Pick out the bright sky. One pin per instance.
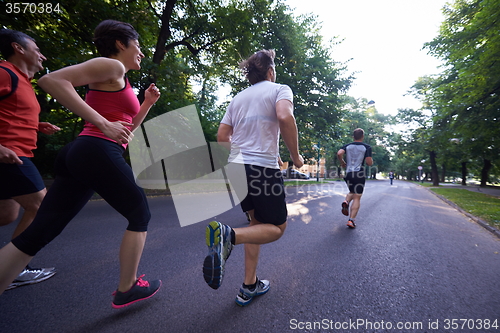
(384, 38)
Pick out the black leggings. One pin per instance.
(86, 165)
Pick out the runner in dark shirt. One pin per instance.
(357, 153)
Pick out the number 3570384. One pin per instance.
(32, 8)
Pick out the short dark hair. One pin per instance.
(358, 134)
(256, 66)
(7, 37)
(108, 32)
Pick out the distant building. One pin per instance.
(310, 169)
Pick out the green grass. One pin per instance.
(478, 204)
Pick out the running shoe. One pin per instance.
(140, 290)
(31, 276)
(345, 208)
(351, 224)
(246, 295)
(218, 238)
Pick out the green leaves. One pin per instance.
(193, 47)
(462, 102)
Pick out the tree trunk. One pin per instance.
(165, 32)
(464, 173)
(485, 172)
(443, 173)
(160, 48)
(434, 172)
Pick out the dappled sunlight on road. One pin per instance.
(312, 197)
(424, 203)
(429, 207)
(299, 209)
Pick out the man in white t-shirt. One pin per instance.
(252, 124)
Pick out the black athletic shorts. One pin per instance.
(266, 195)
(19, 179)
(355, 181)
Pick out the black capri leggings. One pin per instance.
(86, 165)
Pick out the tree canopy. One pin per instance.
(458, 125)
(193, 48)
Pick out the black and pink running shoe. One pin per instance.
(141, 290)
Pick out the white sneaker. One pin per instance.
(218, 238)
(246, 295)
(31, 276)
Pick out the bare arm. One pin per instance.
(340, 156)
(60, 85)
(288, 129)
(224, 135)
(8, 156)
(47, 128)
(151, 95)
(369, 161)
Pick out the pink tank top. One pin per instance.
(121, 105)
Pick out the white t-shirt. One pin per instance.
(252, 115)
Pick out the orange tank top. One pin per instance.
(19, 113)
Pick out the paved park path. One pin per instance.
(413, 264)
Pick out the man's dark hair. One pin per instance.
(255, 68)
(7, 37)
(358, 134)
(108, 32)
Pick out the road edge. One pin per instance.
(476, 219)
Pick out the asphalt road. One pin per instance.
(413, 264)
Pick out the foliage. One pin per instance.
(458, 125)
(193, 47)
(65, 38)
(467, 92)
(305, 64)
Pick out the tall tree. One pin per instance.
(195, 45)
(468, 95)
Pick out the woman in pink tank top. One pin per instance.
(94, 161)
